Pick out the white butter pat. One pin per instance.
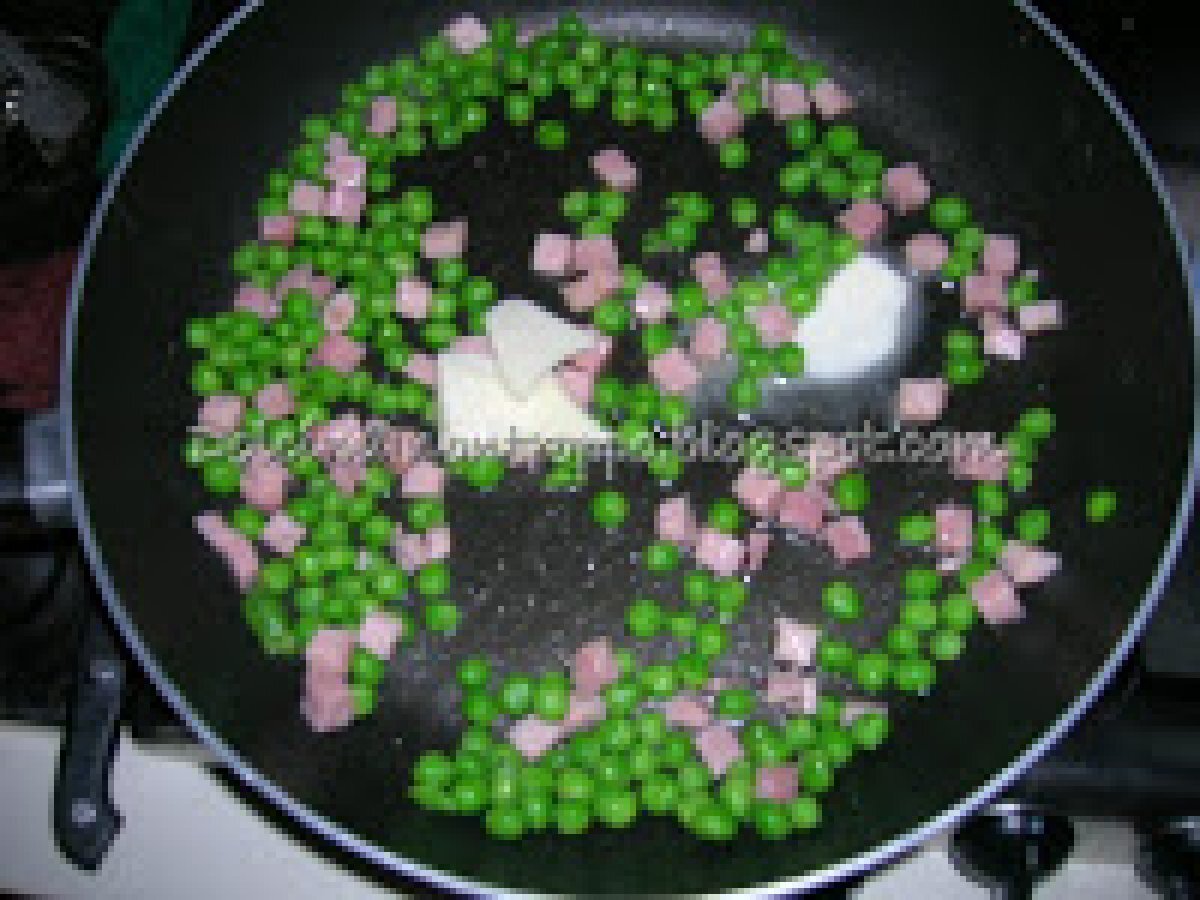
(529, 342)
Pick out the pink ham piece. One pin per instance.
(828, 457)
(466, 34)
(1001, 255)
(758, 542)
(847, 539)
(803, 510)
(379, 633)
(336, 144)
(410, 550)
(978, 463)
(339, 312)
(328, 706)
(777, 783)
(709, 270)
(475, 344)
(552, 254)
(864, 220)
(905, 188)
(593, 254)
(1038, 317)
(926, 253)
(423, 479)
(234, 548)
(320, 286)
(1027, 563)
(413, 297)
(346, 204)
(281, 229)
(953, 529)
(297, 279)
(533, 736)
(983, 293)
(328, 653)
(615, 169)
(342, 438)
(594, 358)
(674, 371)
(423, 368)
(718, 747)
(583, 711)
(346, 170)
(675, 521)
(283, 534)
(782, 686)
(773, 322)
(220, 414)
(831, 99)
(347, 474)
(594, 667)
(921, 400)
(721, 121)
(687, 711)
(577, 383)
(584, 293)
(1002, 341)
(795, 642)
(710, 337)
(652, 302)
(758, 491)
(383, 115)
(401, 447)
(788, 100)
(275, 401)
(307, 199)
(720, 553)
(339, 353)
(444, 240)
(265, 482)
(438, 543)
(996, 599)
(757, 241)
(257, 300)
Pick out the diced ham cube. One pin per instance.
(783, 685)
(687, 712)
(758, 491)
(847, 539)
(615, 169)
(864, 220)
(466, 34)
(552, 254)
(298, 279)
(344, 437)
(307, 199)
(265, 483)
(594, 666)
(444, 240)
(983, 293)
(597, 253)
(906, 188)
(346, 170)
(577, 383)
(410, 550)
(1001, 255)
(328, 706)
(758, 542)
(320, 286)
(257, 300)
(710, 337)
(401, 447)
(283, 534)
(788, 100)
(777, 783)
(795, 642)
(831, 99)
(652, 302)
(978, 463)
(1002, 341)
(720, 553)
(583, 711)
(804, 510)
(709, 270)
(926, 253)
(347, 474)
(594, 358)
(413, 296)
(234, 548)
(674, 371)
(675, 521)
(274, 400)
(422, 367)
(220, 414)
(533, 736)
(339, 353)
(596, 286)
(383, 115)
(423, 479)
(757, 241)
(336, 144)
(921, 400)
(380, 632)
(1027, 563)
(477, 344)
(437, 543)
(953, 529)
(721, 121)
(829, 455)
(328, 652)
(346, 204)
(718, 747)
(339, 312)
(996, 599)
(281, 229)
(773, 322)
(1038, 317)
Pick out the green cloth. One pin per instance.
(141, 50)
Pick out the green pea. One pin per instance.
(662, 556)
(609, 508)
(842, 601)
(479, 707)
(657, 338)
(946, 645)
(743, 211)
(659, 680)
(1039, 422)
(725, 515)
(734, 154)
(736, 703)
(551, 135)
(698, 587)
(516, 695)
(505, 821)
(711, 639)
(441, 617)
(616, 808)
(917, 528)
(834, 655)
(572, 816)
(915, 675)
(871, 672)
(851, 491)
(816, 773)
(991, 499)
(551, 697)
(1100, 506)
(682, 625)
(949, 213)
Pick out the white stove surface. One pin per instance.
(187, 836)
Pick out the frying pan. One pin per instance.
(997, 107)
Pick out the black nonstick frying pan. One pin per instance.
(996, 107)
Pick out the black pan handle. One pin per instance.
(85, 819)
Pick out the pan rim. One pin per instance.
(389, 860)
